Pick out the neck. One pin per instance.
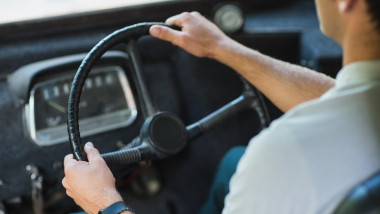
(361, 39)
(361, 46)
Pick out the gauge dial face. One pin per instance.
(106, 103)
(229, 18)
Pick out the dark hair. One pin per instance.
(374, 10)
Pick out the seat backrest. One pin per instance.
(363, 199)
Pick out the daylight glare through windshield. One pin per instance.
(19, 10)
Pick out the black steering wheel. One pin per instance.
(163, 134)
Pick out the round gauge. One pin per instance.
(107, 103)
(229, 18)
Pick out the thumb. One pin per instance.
(92, 152)
(165, 33)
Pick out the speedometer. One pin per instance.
(106, 103)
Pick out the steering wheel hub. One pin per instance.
(166, 132)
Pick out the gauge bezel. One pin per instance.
(89, 126)
(224, 10)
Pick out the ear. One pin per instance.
(346, 5)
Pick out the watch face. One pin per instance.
(229, 18)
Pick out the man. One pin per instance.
(306, 161)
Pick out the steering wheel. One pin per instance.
(163, 134)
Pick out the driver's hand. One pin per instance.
(199, 36)
(91, 184)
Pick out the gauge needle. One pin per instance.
(57, 106)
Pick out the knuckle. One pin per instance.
(186, 16)
(196, 13)
(64, 182)
(185, 13)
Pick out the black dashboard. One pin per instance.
(39, 58)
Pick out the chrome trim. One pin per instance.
(89, 126)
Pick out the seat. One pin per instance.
(363, 199)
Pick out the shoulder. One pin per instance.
(289, 161)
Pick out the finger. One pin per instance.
(196, 13)
(92, 153)
(68, 193)
(68, 159)
(177, 20)
(165, 33)
(64, 183)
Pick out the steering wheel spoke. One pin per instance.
(250, 99)
(147, 107)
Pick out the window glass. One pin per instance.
(19, 10)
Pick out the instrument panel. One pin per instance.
(107, 103)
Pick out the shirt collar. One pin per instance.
(359, 73)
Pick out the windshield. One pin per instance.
(21, 10)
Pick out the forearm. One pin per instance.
(285, 84)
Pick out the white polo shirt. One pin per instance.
(309, 159)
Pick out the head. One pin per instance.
(338, 18)
(374, 11)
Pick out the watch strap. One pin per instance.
(115, 208)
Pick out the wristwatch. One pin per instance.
(115, 208)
